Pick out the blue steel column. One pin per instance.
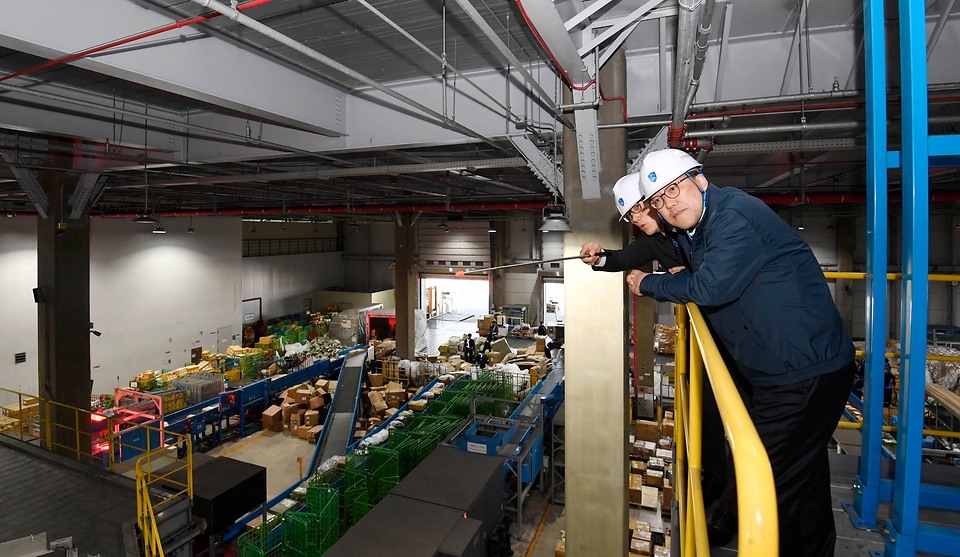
(902, 527)
(867, 487)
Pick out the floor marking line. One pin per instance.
(238, 447)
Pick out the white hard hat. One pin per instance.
(659, 168)
(627, 193)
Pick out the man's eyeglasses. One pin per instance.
(637, 208)
(670, 192)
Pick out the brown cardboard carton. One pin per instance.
(650, 497)
(636, 488)
(316, 402)
(654, 477)
(374, 422)
(294, 427)
(376, 379)
(646, 430)
(321, 383)
(311, 418)
(665, 443)
(288, 409)
(417, 405)
(331, 387)
(660, 551)
(639, 547)
(666, 428)
(643, 535)
(315, 433)
(273, 419)
(304, 395)
(303, 432)
(667, 497)
(649, 449)
(561, 550)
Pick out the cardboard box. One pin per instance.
(561, 550)
(666, 428)
(314, 433)
(665, 443)
(376, 379)
(664, 454)
(638, 467)
(311, 418)
(321, 384)
(654, 477)
(660, 551)
(636, 488)
(646, 430)
(304, 395)
(650, 497)
(316, 402)
(655, 463)
(273, 419)
(643, 535)
(417, 405)
(374, 422)
(666, 496)
(303, 432)
(288, 409)
(331, 387)
(639, 547)
(649, 449)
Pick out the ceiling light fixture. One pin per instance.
(554, 221)
(191, 229)
(442, 224)
(159, 229)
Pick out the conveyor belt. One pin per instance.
(338, 430)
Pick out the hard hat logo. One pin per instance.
(652, 176)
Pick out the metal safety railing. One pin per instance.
(697, 352)
(160, 461)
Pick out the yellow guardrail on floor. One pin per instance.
(756, 494)
(94, 438)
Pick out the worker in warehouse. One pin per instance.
(657, 243)
(765, 296)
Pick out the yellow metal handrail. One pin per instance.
(146, 517)
(890, 276)
(893, 428)
(756, 493)
(35, 419)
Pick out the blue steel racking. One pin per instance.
(905, 534)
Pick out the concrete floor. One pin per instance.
(276, 451)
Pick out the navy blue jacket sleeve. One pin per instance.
(733, 255)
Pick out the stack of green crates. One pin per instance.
(266, 540)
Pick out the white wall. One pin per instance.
(283, 281)
(154, 297)
(18, 326)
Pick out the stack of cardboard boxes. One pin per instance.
(651, 471)
(302, 411)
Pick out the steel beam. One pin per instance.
(546, 23)
(207, 69)
(792, 55)
(901, 539)
(620, 25)
(724, 49)
(547, 170)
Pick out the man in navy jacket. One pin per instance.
(761, 288)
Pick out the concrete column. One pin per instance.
(405, 240)
(63, 277)
(596, 395)
(843, 290)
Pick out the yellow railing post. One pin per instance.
(756, 492)
(679, 408)
(111, 457)
(22, 423)
(46, 406)
(695, 433)
(76, 427)
(189, 467)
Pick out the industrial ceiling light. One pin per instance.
(442, 225)
(191, 229)
(554, 221)
(159, 229)
(491, 229)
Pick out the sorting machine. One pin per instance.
(237, 410)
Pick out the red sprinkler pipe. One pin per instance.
(120, 42)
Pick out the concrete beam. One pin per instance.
(196, 66)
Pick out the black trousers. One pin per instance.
(795, 422)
